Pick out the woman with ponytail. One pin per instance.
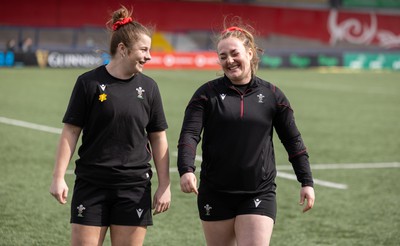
(120, 114)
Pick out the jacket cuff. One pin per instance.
(184, 170)
(311, 184)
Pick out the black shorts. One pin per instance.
(96, 206)
(214, 206)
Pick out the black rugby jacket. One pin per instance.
(237, 130)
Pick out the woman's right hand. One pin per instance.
(59, 190)
(189, 183)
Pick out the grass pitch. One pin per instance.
(345, 117)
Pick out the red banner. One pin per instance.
(183, 60)
(328, 26)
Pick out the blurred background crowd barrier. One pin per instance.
(293, 33)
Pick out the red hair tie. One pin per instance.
(232, 28)
(120, 23)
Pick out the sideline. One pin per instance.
(280, 174)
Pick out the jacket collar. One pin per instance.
(229, 83)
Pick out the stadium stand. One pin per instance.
(286, 26)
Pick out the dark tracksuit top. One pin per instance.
(237, 129)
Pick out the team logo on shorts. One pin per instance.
(139, 212)
(257, 202)
(208, 209)
(80, 208)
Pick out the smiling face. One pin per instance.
(235, 60)
(138, 54)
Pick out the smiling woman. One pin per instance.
(235, 116)
(120, 114)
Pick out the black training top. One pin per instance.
(237, 146)
(116, 116)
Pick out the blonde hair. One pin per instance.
(128, 32)
(237, 29)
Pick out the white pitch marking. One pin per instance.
(316, 181)
(198, 158)
(34, 126)
(69, 171)
(346, 166)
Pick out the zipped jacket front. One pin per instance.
(237, 136)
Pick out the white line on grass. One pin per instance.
(279, 174)
(347, 166)
(198, 158)
(316, 181)
(292, 176)
(34, 126)
(331, 166)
